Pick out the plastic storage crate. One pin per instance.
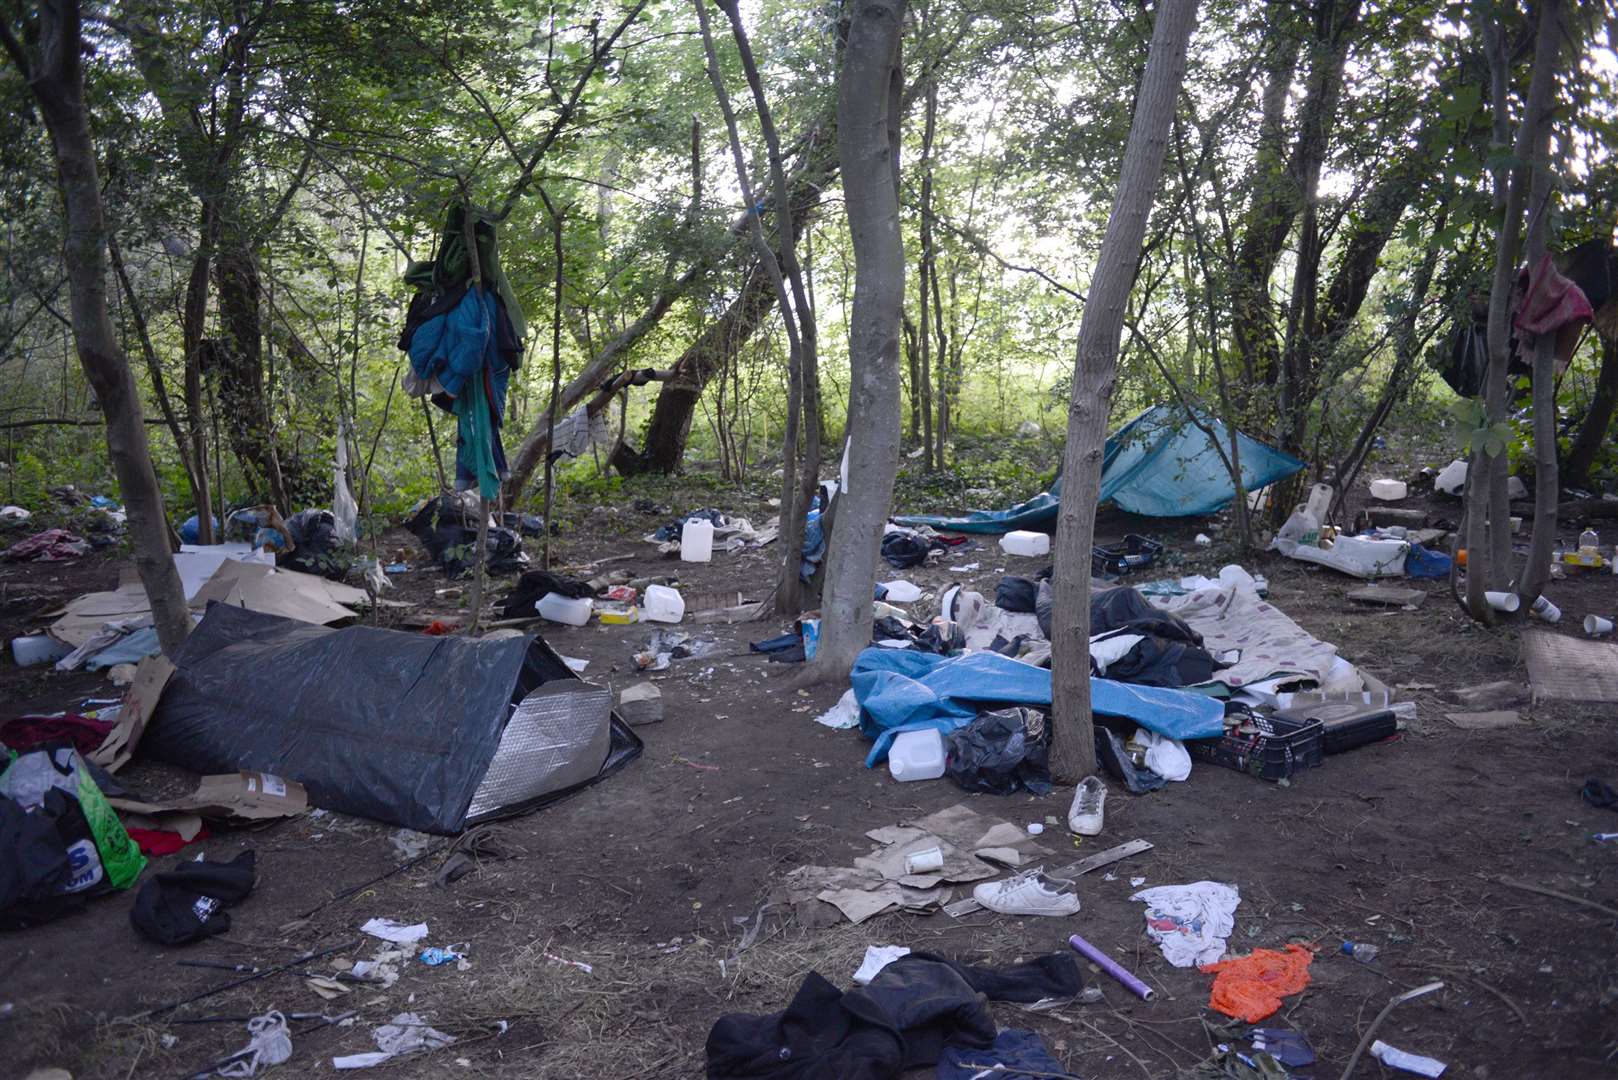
(1268, 747)
(1133, 553)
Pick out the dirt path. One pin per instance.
(653, 877)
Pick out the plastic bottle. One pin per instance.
(696, 541)
(561, 609)
(1364, 952)
(917, 755)
(1589, 541)
(663, 604)
(1023, 542)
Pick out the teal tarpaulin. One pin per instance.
(1159, 464)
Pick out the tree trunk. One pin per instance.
(192, 319)
(57, 81)
(868, 99)
(1073, 747)
(241, 368)
(1593, 432)
(1547, 52)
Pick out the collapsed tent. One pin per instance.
(899, 690)
(1160, 464)
(431, 733)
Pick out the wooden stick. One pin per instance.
(1569, 897)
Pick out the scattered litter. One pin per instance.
(1562, 668)
(397, 932)
(640, 704)
(1485, 721)
(1190, 922)
(1288, 1047)
(1112, 967)
(574, 664)
(406, 1033)
(1394, 1058)
(845, 714)
(1035, 828)
(900, 591)
(580, 964)
(327, 988)
(965, 569)
(1135, 882)
(1494, 695)
(1202, 540)
(1250, 988)
(268, 1043)
(436, 956)
(878, 957)
(409, 843)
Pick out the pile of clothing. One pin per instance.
(463, 344)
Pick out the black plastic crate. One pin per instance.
(1268, 747)
(1133, 553)
(1346, 725)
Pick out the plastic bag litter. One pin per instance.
(1001, 752)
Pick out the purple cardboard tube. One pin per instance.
(1112, 967)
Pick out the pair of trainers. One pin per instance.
(1032, 892)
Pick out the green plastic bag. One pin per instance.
(30, 775)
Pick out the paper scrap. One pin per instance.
(1394, 1058)
(397, 932)
(878, 957)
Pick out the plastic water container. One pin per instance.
(37, 649)
(1388, 490)
(901, 591)
(1319, 502)
(561, 609)
(917, 755)
(1451, 479)
(1023, 542)
(663, 604)
(696, 542)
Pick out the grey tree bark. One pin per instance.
(868, 99)
(56, 79)
(1073, 745)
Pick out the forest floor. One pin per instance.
(653, 876)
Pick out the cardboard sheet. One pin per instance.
(140, 701)
(1562, 668)
(239, 796)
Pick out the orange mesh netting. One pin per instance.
(1251, 987)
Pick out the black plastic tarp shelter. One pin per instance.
(432, 733)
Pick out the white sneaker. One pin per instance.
(1028, 893)
(1089, 805)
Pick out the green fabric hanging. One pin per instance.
(449, 269)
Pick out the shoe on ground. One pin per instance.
(1089, 806)
(1028, 893)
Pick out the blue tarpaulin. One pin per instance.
(1159, 464)
(901, 690)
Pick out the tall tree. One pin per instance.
(868, 118)
(1073, 747)
(47, 52)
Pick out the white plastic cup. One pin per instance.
(919, 862)
(1507, 602)
(696, 541)
(1596, 626)
(562, 609)
(662, 604)
(1545, 610)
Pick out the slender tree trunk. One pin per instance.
(1547, 487)
(556, 363)
(926, 269)
(1073, 748)
(868, 117)
(193, 316)
(1593, 432)
(57, 81)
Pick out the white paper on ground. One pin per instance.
(360, 1061)
(878, 957)
(844, 714)
(1394, 1058)
(397, 932)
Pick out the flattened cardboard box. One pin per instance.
(238, 796)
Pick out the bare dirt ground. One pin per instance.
(654, 876)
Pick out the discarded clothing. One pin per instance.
(903, 691)
(27, 732)
(448, 528)
(159, 842)
(1551, 304)
(914, 1007)
(1001, 753)
(1016, 594)
(316, 547)
(902, 549)
(534, 586)
(190, 902)
(1599, 793)
(1190, 922)
(1014, 1055)
(1124, 608)
(1167, 758)
(1234, 619)
(52, 545)
(1115, 758)
(406, 1033)
(1250, 988)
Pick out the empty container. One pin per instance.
(696, 542)
(562, 609)
(37, 649)
(901, 591)
(917, 755)
(1023, 542)
(1319, 502)
(1388, 490)
(663, 604)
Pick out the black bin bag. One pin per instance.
(1001, 752)
(431, 733)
